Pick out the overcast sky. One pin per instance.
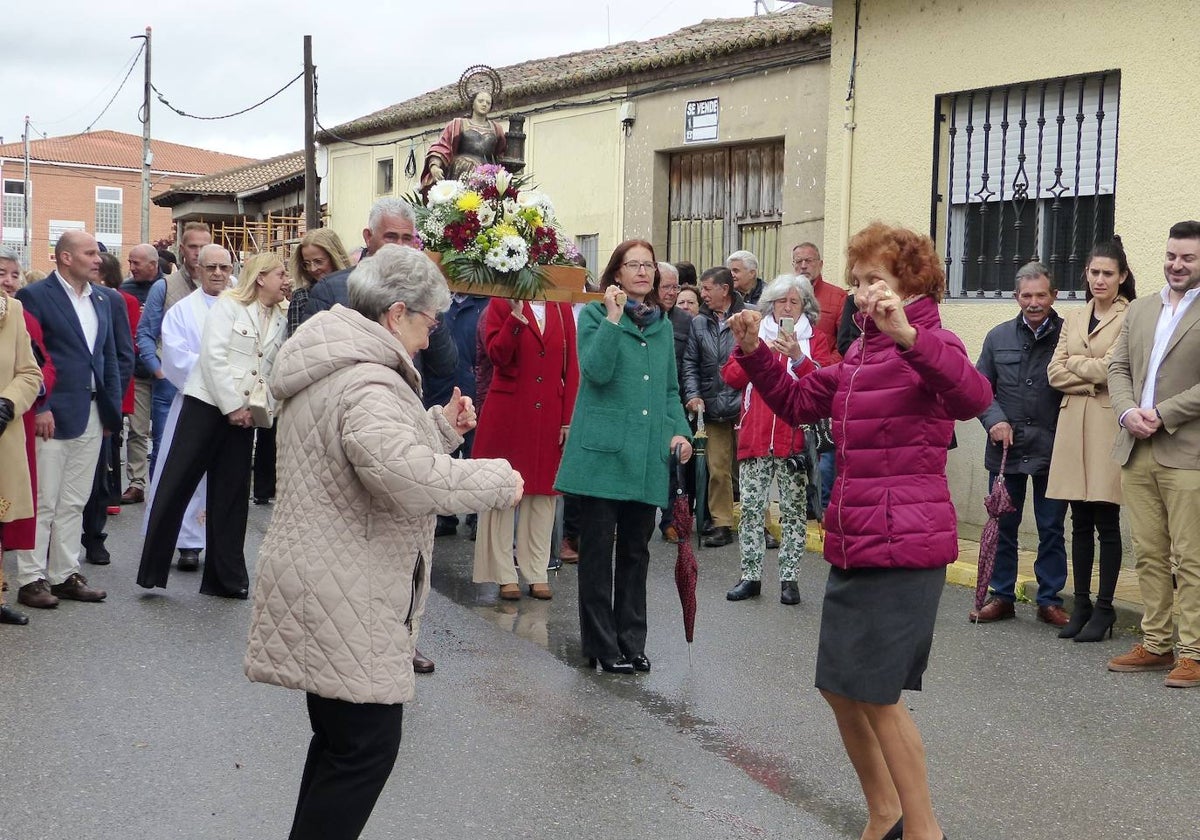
(62, 62)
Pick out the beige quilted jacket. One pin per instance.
(343, 571)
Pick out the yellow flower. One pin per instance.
(469, 201)
(505, 230)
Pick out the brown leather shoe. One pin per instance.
(75, 588)
(996, 609)
(510, 592)
(1140, 659)
(422, 664)
(1052, 614)
(541, 591)
(133, 496)
(37, 595)
(1184, 675)
(568, 552)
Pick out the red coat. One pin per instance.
(831, 299)
(135, 311)
(760, 432)
(20, 533)
(532, 393)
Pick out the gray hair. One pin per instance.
(1033, 271)
(393, 274)
(7, 253)
(390, 206)
(785, 283)
(211, 246)
(745, 258)
(665, 268)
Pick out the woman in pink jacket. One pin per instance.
(891, 528)
(770, 449)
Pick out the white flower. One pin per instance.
(512, 254)
(503, 179)
(539, 201)
(510, 209)
(444, 192)
(486, 215)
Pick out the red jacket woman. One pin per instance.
(529, 402)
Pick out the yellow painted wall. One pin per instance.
(910, 52)
(351, 192)
(573, 156)
(791, 104)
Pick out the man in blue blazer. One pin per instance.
(85, 404)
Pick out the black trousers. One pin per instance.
(204, 442)
(350, 757)
(612, 596)
(264, 463)
(572, 514)
(106, 490)
(1102, 519)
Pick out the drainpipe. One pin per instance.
(848, 127)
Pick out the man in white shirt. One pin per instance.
(84, 406)
(1154, 382)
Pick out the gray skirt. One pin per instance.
(876, 631)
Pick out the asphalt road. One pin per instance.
(132, 719)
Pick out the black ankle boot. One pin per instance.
(1079, 617)
(1102, 621)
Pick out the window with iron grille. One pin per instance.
(1021, 173)
(108, 217)
(385, 171)
(589, 248)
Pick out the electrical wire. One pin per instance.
(258, 104)
(132, 64)
(128, 73)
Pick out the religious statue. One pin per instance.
(467, 142)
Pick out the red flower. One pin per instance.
(462, 234)
(545, 245)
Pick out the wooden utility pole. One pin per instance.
(26, 257)
(312, 212)
(147, 155)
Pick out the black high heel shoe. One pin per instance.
(10, 616)
(612, 666)
(640, 662)
(1079, 617)
(1101, 622)
(896, 832)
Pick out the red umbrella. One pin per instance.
(997, 503)
(686, 569)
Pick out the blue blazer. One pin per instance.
(70, 401)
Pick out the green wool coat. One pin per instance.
(626, 413)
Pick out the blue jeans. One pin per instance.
(1050, 568)
(828, 468)
(161, 394)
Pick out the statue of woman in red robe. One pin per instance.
(466, 142)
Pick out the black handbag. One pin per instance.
(821, 433)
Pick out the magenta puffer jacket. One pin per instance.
(893, 415)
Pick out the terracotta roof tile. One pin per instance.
(614, 64)
(116, 149)
(253, 175)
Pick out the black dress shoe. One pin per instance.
(744, 589)
(789, 593)
(719, 537)
(640, 662)
(422, 664)
(772, 543)
(447, 526)
(612, 666)
(708, 529)
(10, 616)
(98, 557)
(189, 559)
(236, 594)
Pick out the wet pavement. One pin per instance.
(132, 719)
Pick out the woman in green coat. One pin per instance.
(628, 419)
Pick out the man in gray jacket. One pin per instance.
(1022, 418)
(709, 345)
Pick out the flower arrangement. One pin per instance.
(491, 230)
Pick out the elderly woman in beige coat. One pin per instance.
(1082, 470)
(343, 572)
(20, 382)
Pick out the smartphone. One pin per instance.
(787, 326)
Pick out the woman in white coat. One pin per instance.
(343, 572)
(225, 396)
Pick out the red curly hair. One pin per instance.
(910, 256)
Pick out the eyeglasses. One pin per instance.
(636, 266)
(214, 267)
(669, 287)
(433, 322)
(319, 262)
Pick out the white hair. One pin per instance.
(784, 283)
(745, 258)
(397, 273)
(665, 268)
(390, 206)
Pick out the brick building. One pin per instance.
(93, 182)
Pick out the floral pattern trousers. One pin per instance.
(756, 475)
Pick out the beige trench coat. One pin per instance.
(20, 381)
(1082, 468)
